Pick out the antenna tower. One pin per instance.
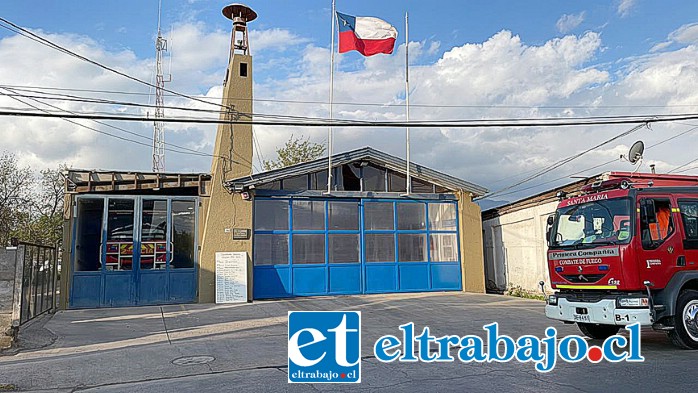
(158, 128)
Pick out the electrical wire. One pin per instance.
(683, 166)
(62, 97)
(498, 123)
(376, 104)
(692, 129)
(564, 161)
(43, 41)
(184, 150)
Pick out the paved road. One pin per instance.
(133, 349)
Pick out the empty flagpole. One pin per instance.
(407, 98)
(329, 130)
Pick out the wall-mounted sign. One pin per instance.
(241, 233)
(231, 277)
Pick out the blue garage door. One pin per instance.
(314, 247)
(130, 251)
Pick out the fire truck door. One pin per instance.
(661, 240)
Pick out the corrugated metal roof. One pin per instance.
(364, 154)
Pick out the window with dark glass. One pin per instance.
(183, 235)
(318, 180)
(421, 187)
(89, 235)
(344, 248)
(297, 183)
(411, 216)
(378, 216)
(308, 248)
(270, 214)
(397, 182)
(380, 247)
(275, 185)
(689, 216)
(308, 215)
(343, 215)
(412, 247)
(374, 178)
(270, 249)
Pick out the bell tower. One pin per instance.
(223, 211)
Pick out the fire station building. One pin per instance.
(133, 238)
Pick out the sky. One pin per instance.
(492, 59)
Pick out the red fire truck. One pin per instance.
(625, 250)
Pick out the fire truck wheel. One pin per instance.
(600, 332)
(685, 333)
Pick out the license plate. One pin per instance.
(581, 318)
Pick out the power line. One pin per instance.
(66, 97)
(43, 41)
(107, 102)
(683, 166)
(604, 164)
(185, 150)
(377, 104)
(564, 161)
(465, 123)
(687, 169)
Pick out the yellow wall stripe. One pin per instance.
(587, 286)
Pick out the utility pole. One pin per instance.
(158, 127)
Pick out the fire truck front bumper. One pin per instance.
(604, 311)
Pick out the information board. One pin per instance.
(231, 277)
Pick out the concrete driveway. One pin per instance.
(243, 348)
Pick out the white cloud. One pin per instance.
(569, 22)
(502, 77)
(278, 39)
(625, 7)
(686, 35)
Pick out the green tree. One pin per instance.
(15, 196)
(31, 205)
(45, 222)
(295, 151)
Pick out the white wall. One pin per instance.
(515, 248)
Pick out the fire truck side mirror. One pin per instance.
(648, 214)
(550, 221)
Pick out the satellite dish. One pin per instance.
(635, 153)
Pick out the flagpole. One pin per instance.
(407, 99)
(329, 130)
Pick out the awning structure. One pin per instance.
(91, 181)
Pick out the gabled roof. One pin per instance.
(371, 155)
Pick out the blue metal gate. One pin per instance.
(307, 247)
(137, 250)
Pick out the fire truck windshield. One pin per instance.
(592, 223)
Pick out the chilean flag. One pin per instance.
(366, 35)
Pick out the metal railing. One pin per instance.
(39, 264)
